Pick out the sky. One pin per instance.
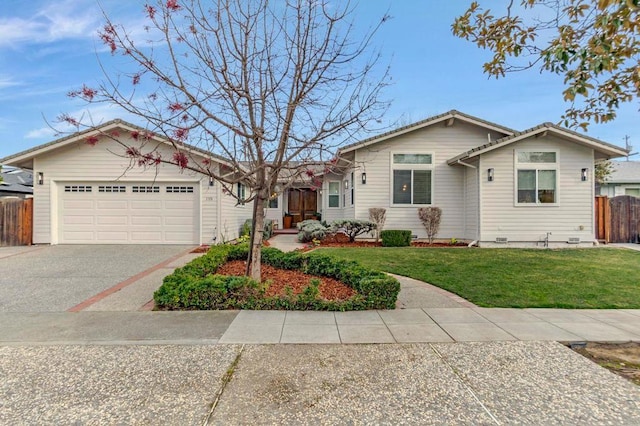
(48, 48)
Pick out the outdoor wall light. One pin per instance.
(346, 184)
(364, 178)
(211, 180)
(584, 174)
(40, 178)
(490, 175)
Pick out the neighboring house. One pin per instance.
(623, 180)
(87, 194)
(493, 184)
(16, 183)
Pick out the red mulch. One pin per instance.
(342, 240)
(330, 289)
(205, 248)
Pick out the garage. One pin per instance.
(128, 212)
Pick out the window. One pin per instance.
(334, 194)
(175, 189)
(412, 179)
(536, 177)
(77, 188)
(241, 192)
(273, 201)
(632, 191)
(353, 190)
(112, 188)
(139, 189)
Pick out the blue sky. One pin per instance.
(49, 48)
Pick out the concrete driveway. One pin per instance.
(56, 278)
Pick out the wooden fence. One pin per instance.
(16, 222)
(618, 219)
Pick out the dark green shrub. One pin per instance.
(395, 238)
(196, 286)
(352, 227)
(267, 232)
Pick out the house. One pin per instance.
(623, 180)
(495, 185)
(85, 194)
(16, 182)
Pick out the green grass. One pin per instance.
(571, 278)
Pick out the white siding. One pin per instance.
(471, 199)
(571, 217)
(105, 162)
(232, 216)
(331, 214)
(448, 181)
(277, 213)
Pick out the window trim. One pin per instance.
(241, 193)
(339, 194)
(404, 166)
(536, 167)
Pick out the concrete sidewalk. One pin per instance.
(437, 383)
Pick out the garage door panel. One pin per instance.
(112, 220)
(146, 220)
(78, 220)
(168, 220)
(78, 204)
(78, 236)
(112, 237)
(128, 216)
(146, 205)
(112, 204)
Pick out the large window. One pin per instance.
(412, 179)
(536, 177)
(334, 194)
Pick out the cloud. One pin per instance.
(8, 82)
(54, 22)
(44, 132)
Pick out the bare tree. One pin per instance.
(378, 216)
(272, 87)
(430, 218)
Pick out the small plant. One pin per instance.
(352, 227)
(453, 241)
(430, 218)
(309, 230)
(396, 238)
(378, 216)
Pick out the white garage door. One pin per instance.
(128, 213)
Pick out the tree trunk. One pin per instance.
(255, 242)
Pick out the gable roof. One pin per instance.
(542, 130)
(624, 172)
(29, 154)
(449, 115)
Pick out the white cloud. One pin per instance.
(44, 132)
(64, 20)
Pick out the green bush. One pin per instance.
(197, 286)
(267, 232)
(308, 230)
(395, 238)
(352, 227)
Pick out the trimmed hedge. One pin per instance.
(395, 238)
(196, 286)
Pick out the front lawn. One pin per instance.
(570, 278)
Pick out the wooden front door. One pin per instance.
(303, 203)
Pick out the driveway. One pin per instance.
(56, 278)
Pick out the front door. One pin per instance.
(303, 203)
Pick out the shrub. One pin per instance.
(396, 238)
(430, 218)
(196, 286)
(245, 230)
(352, 227)
(309, 230)
(378, 216)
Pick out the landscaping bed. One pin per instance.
(621, 358)
(292, 281)
(342, 240)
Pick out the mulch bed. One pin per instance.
(342, 240)
(330, 289)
